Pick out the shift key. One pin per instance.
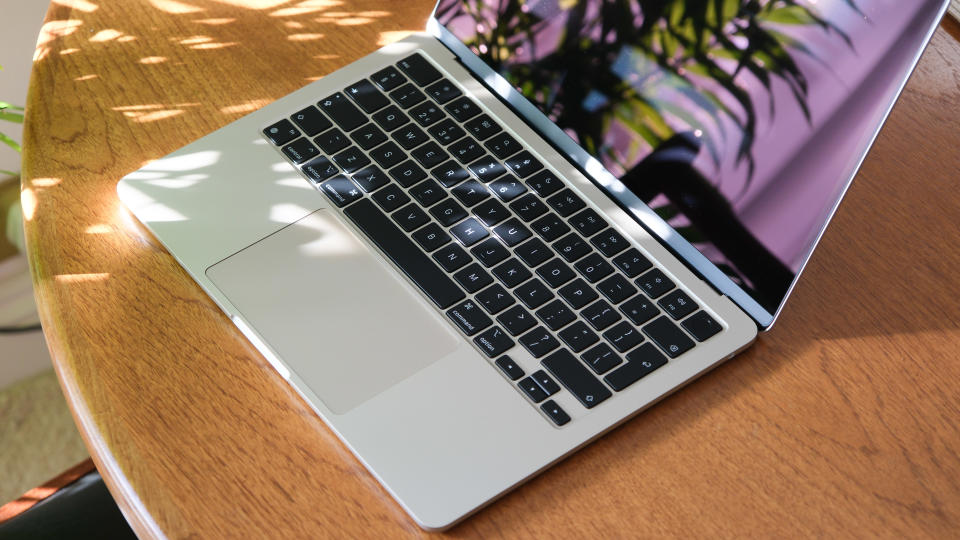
(576, 378)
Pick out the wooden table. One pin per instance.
(844, 421)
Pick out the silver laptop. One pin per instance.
(479, 248)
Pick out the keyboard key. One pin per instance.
(371, 179)
(516, 320)
(387, 155)
(469, 317)
(410, 217)
(341, 190)
(571, 247)
(556, 315)
(495, 299)
(593, 267)
(407, 173)
(419, 69)
(523, 164)
(512, 232)
(427, 193)
(431, 237)
(391, 118)
(640, 363)
(281, 132)
(300, 151)
(367, 96)
(427, 113)
(508, 188)
(470, 192)
(616, 288)
(482, 127)
(446, 132)
(533, 252)
(494, 342)
(556, 273)
(503, 145)
(491, 212)
(443, 91)
(631, 263)
(668, 337)
(509, 368)
(546, 383)
(404, 253)
(588, 222)
(528, 207)
(702, 326)
(332, 141)
(368, 136)
(448, 212)
(391, 197)
(610, 242)
(512, 273)
(578, 336)
(601, 359)
(463, 109)
(466, 150)
(623, 336)
(533, 293)
(429, 155)
(311, 121)
(576, 378)
(473, 278)
(320, 169)
(490, 252)
(550, 227)
(566, 203)
(487, 168)
(654, 283)
(410, 136)
(532, 390)
(677, 304)
(469, 231)
(554, 412)
(577, 293)
(342, 112)
(539, 342)
(450, 174)
(388, 78)
(600, 315)
(351, 159)
(639, 310)
(452, 257)
(407, 96)
(545, 183)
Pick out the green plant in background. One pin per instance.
(10, 113)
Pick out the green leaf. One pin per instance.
(789, 15)
(5, 105)
(16, 118)
(10, 142)
(9, 173)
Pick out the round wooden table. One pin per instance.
(845, 420)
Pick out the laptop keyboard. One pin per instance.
(498, 242)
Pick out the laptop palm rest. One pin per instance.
(320, 298)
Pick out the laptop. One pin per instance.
(481, 247)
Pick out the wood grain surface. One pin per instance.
(843, 421)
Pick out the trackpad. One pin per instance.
(332, 311)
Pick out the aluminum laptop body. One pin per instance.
(438, 421)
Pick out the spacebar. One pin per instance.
(404, 253)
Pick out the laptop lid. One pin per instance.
(731, 129)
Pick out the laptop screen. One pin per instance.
(739, 122)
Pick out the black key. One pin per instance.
(427, 193)
(427, 113)
(631, 262)
(367, 96)
(452, 257)
(516, 320)
(588, 222)
(300, 151)
(320, 169)
(503, 145)
(410, 217)
(490, 252)
(407, 173)
(571, 247)
(532, 390)
(702, 326)
(550, 227)
(533, 293)
(443, 91)
(368, 136)
(640, 363)
(487, 168)
(509, 368)
(576, 378)
(546, 383)
(450, 174)
(678, 305)
(566, 203)
(391, 118)
(616, 288)
(601, 358)
(512, 273)
(668, 337)
(391, 197)
(448, 212)
(344, 114)
(578, 336)
(600, 315)
(407, 96)
(533, 252)
(469, 317)
(281, 132)
(341, 190)
(410, 136)
(539, 342)
(508, 188)
(528, 207)
(431, 237)
(388, 78)
(332, 141)
(523, 164)
(494, 342)
(610, 242)
(311, 120)
(404, 253)
(558, 415)
(419, 69)
(352, 159)
(446, 132)
(654, 283)
(429, 155)
(371, 179)
(512, 232)
(463, 109)
(623, 336)
(482, 127)
(556, 315)
(545, 183)
(577, 293)
(473, 278)
(466, 150)
(469, 231)
(556, 273)
(639, 309)
(470, 192)
(593, 267)
(495, 299)
(491, 212)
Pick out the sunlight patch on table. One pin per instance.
(80, 278)
(174, 7)
(79, 5)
